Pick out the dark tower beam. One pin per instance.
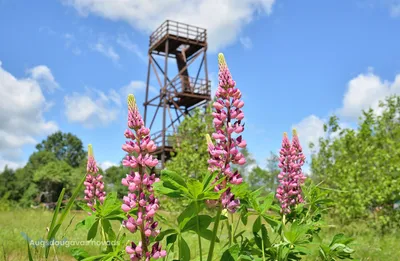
(180, 93)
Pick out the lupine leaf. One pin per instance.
(204, 222)
(184, 250)
(93, 230)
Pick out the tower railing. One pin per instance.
(170, 141)
(180, 30)
(187, 84)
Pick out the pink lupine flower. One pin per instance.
(227, 121)
(94, 186)
(291, 177)
(140, 186)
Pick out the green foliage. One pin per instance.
(112, 180)
(362, 167)
(274, 237)
(266, 179)
(57, 164)
(26, 188)
(65, 146)
(290, 237)
(191, 153)
(336, 249)
(191, 220)
(100, 223)
(53, 177)
(58, 219)
(250, 161)
(8, 184)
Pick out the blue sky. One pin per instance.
(67, 65)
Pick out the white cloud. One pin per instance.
(107, 51)
(43, 75)
(107, 164)
(124, 41)
(364, 92)
(246, 42)
(21, 112)
(224, 20)
(10, 164)
(135, 86)
(92, 108)
(114, 97)
(310, 129)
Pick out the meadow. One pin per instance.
(368, 246)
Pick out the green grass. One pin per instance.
(368, 245)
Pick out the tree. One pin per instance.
(266, 178)
(257, 178)
(25, 187)
(273, 171)
(46, 168)
(244, 170)
(191, 150)
(112, 179)
(7, 183)
(362, 167)
(64, 146)
(53, 177)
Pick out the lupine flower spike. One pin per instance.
(228, 116)
(291, 177)
(139, 183)
(93, 183)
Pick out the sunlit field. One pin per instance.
(368, 245)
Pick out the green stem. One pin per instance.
(214, 236)
(263, 250)
(283, 224)
(221, 230)
(198, 231)
(119, 232)
(229, 231)
(179, 243)
(55, 253)
(103, 234)
(237, 225)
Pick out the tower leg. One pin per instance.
(147, 89)
(163, 156)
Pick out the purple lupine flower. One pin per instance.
(94, 183)
(228, 116)
(140, 186)
(291, 177)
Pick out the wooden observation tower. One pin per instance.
(179, 93)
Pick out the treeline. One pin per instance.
(58, 162)
(361, 167)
